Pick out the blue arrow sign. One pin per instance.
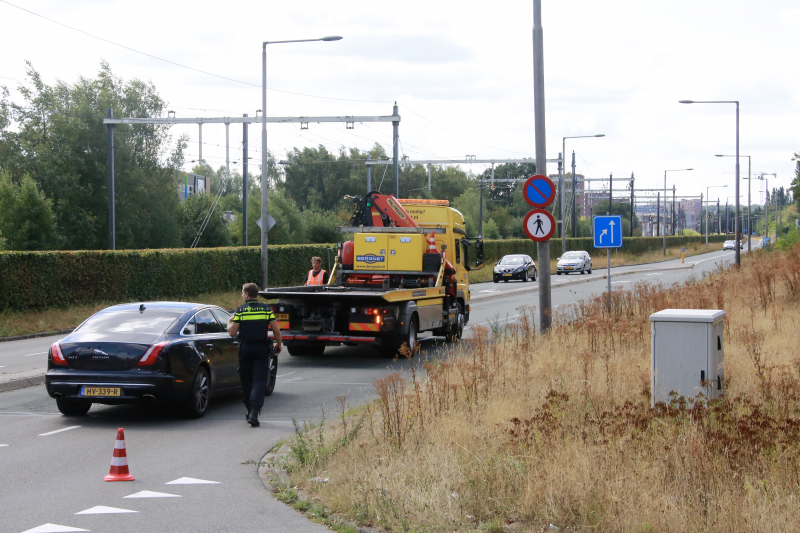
(607, 231)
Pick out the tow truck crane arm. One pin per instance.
(381, 210)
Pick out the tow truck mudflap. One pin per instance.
(328, 337)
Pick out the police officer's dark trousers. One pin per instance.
(254, 372)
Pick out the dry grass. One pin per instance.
(26, 322)
(617, 259)
(557, 428)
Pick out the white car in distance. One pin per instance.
(577, 261)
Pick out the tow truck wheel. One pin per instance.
(409, 339)
(305, 349)
(457, 330)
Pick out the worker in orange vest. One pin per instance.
(317, 276)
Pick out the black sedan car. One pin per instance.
(519, 267)
(147, 352)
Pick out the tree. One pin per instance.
(795, 186)
(58, 138)
(26, 215)
(192, 215)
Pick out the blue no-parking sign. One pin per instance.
(539, 191)
(608, 231)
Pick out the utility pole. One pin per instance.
(244, 185)
(543, 248)
(574, 194)
(228, 149)
(200, 143)
(395, 143)
(429, 175)
(610, 191)
(658, 213)
(719, 222)
(561, 229)
(480, 215)
(369, 176)
(112, 234)
(672, 220)
(631, 224)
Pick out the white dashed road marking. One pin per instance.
(151, 494)
(58, 431)
(3, 445)
(619, 282)
(53, 528)
(102, 509)
(289, 374)
(37, 353)
(190, 481)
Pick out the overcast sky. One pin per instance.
(461, 73)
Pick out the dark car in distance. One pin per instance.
(147, 352)
(516, 266)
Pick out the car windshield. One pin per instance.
(728, 242)
(150, 321)
(574, 255)
(512, 260)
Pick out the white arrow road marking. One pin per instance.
(58, 431)
(151, 494)
(53, 528)
(604, 232)
(612, 224)
(190, 481)
(102, 509)
(288, 374)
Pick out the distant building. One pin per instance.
(193, 184)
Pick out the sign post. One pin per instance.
(607, 232)
(539, 226)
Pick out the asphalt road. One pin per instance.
(52, 467)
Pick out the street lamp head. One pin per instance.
(719, 155)
(685, 101)
(601, 135)
(331, 38)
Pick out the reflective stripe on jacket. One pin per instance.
(312, 280)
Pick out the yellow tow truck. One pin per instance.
(406, 271)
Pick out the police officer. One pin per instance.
(252, 322)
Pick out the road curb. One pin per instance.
(535, 287)
(35, 335)
(22, 383)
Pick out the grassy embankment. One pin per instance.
(617, 259)
(557, 428)
(27, 322)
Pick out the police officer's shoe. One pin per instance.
(253, 417)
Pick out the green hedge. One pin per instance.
(30, 280)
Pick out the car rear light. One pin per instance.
(152, 354)
(57, 355)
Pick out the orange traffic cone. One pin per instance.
(119, 461)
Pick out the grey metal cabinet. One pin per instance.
(686, 353)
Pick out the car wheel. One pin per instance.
(583, 270)
(495, 280)
(524, 277)
(72, 407)
(558, 273)
(296, 349)
(534, 275)
(272, 376)
(455, 333)
(505, 280)
(197, 402)
(590, 268)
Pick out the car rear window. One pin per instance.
(150, 321)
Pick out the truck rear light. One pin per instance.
(57, 355)
(152, 354)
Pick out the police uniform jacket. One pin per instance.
(253, 318)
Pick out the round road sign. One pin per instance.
(539, 191)
(539, 225)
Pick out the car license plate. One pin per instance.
(567, 268)
(509, 275)
(281, 316)
(100, 391)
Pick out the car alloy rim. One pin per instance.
(412, 336)
(201, 396)
(273, 365)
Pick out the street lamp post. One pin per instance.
(664, 233)
(264, 159)
(707, 200)
(738, 260)
(749, 167)
(561, 186)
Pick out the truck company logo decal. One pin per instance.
(370, 258)
(419, 293)
(397, 209)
